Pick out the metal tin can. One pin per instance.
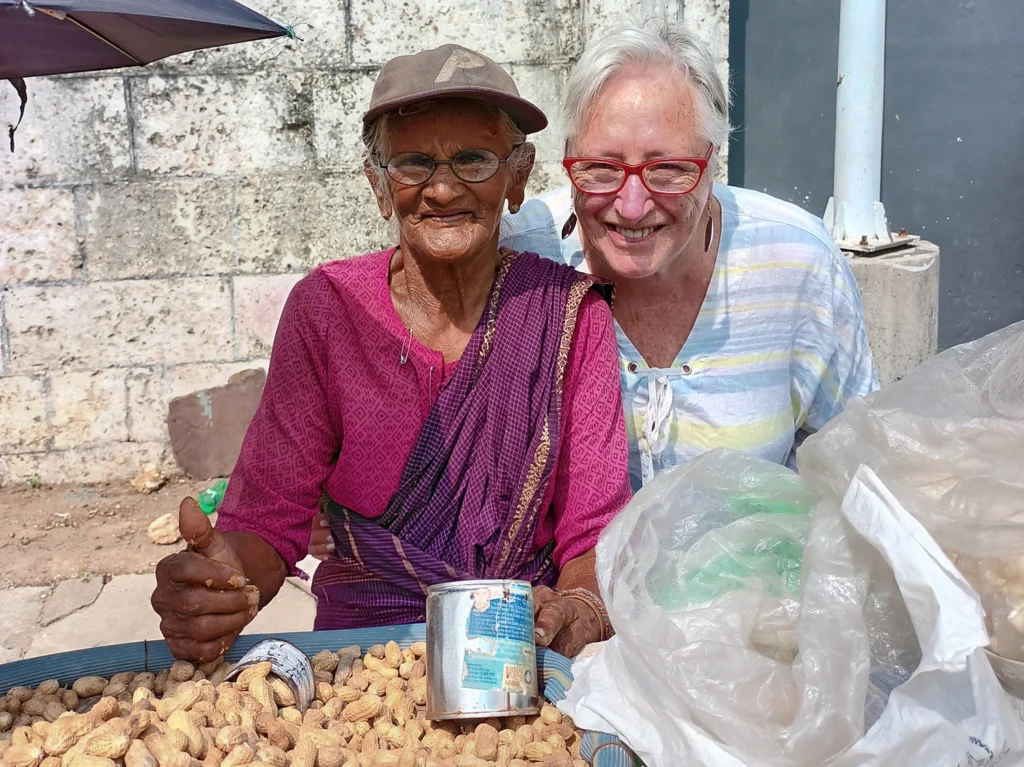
(481, 656)
(288, 663)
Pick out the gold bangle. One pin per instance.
(594, 602)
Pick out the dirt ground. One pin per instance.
(48, 534)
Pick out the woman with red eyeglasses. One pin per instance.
(739, 321)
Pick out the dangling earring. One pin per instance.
(513, 208)
(570, 225)
(709, 231)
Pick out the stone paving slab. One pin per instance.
(120, 613)
(19, 613)
(70, 596)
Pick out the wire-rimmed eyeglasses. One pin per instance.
(470, 165)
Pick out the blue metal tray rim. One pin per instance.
(154, 655)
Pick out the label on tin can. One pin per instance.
(500, 652)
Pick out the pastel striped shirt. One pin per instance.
(778, 348)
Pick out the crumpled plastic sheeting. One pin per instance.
(776, 676)
(948, 442)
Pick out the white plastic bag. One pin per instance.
(698, 576)
(951, 713)
(948, 442)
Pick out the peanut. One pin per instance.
(240, 754)
(368, 712)
(256, 671)
(325, 660)
(393, 654)
(282, 692)
(26, 755)
(138, 755)
(486, 741)
(49, 687)
(272, 756)
(88, 686)
(87, 760)
(183, 723)
(304, 754)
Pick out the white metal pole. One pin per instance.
(855, 211)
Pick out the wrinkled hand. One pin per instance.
(321, 543)
(562, 624)
(200, 594)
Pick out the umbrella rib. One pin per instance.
(98, 36)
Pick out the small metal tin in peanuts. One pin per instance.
(481, 656)
(288, 663)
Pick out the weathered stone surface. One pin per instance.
(206, 428)
(222, 125)
(88, 407)
(134, 322)
(150, 390)
(293, 609)
(103, 463)
(121, 613)
(178, 205)
(892, 285)
(150, 228)
(37, 235)
(603, 16)
(545, 178)
(709, 19)
(75, 129)
(258, 305)
(339, 100)
(291, 224)
(23, 424)
(20, 608)
(532, 30)
(543, 86)
(69, 597)
(147, 395)
(185, 379)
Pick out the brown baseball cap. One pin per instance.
(450, 71)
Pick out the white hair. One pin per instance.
(655, 43)
(377, 146)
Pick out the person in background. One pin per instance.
(454, 404)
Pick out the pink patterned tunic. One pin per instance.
(348, 392)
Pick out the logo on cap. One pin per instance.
(460, 59)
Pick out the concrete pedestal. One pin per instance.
(901, 303)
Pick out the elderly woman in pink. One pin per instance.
(453, 407)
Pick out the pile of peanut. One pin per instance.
(369, 711)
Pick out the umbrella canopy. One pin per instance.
(63, 36)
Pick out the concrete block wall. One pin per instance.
(152, 221)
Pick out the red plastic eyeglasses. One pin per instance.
(666, 175)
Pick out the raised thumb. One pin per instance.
(207, 540)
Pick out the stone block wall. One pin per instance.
(152, 221)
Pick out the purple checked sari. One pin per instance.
(471, 492)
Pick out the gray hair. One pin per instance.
(377, 145)
(656, 42)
